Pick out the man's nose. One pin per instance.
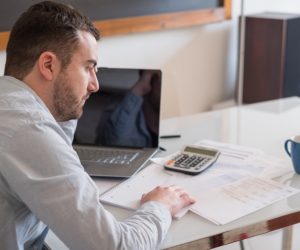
(93, 83)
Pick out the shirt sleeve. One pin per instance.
(45, 173)
(69, 128)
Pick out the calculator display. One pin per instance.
(200, 151)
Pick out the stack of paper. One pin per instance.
(239, 183)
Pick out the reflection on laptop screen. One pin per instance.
(124, 112)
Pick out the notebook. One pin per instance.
(119, 129)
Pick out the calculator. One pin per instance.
(193, 160)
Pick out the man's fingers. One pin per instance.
(188, 199)
(173, 196)
(183, 195)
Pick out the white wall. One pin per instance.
(255, 6)
(199, 63)
(193, 61)
(2, 61)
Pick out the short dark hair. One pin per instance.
(45, 26)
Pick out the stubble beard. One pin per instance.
(66, 104)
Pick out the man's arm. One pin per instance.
(48, 177)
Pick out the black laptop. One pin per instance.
(119, 129)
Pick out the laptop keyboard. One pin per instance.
(106, 156)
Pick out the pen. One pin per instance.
(170, 136)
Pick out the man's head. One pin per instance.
(53, 49)
(46, 26)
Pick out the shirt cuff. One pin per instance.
(161, 211)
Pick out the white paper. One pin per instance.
(236, 200)
(238, 183)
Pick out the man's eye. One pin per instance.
(92, 68)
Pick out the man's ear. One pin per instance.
(48, 65)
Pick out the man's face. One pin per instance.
(77, 81)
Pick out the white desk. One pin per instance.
(265, 126)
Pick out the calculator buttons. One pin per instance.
(181, 159)
(188, 161)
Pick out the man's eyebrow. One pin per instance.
(94, 62)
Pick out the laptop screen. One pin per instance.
(125, 112)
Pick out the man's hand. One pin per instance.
(174, 197)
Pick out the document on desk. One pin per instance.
(239, 183)
(236, 200)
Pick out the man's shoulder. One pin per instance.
(18, 101)
(20, 109)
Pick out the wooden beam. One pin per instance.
(227, 6)
(3, 39)
(129, 25)
(160, 21)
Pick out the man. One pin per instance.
(49, 74)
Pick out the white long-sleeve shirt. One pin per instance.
(42, 182)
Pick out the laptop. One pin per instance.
(119, 129)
